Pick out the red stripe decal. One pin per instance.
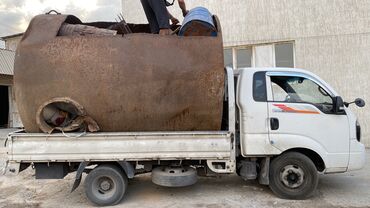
(288, 109)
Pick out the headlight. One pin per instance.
(358, 131)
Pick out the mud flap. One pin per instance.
(263, 176)
(79, 172)
(127, 167)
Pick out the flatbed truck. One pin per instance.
(281, 126)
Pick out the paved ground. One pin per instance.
(341, 190)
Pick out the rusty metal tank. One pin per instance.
(135, 82)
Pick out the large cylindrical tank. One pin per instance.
(136, 82)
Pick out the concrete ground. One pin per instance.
(338, 190)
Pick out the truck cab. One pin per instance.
(288, 111)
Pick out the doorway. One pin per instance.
(4, 106)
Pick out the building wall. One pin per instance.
(6, 80)
(14, 119)
(344, 62)
(332, 37)
(12, 43)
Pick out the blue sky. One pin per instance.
(16, 14)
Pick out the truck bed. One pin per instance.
(35, 147)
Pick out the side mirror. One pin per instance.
(338, 104)
(360, 102)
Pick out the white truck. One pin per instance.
(282, 127)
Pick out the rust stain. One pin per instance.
(182, 115)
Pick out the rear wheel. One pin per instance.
(293, 176)
(106, 185)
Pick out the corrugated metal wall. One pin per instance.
(6, 62)
(332, 37)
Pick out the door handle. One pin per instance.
(274, 123)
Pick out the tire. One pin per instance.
(293, 176)
(106, 185)
(174, 177)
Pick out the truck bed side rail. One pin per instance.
(119, 146)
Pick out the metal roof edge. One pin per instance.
(11, 36)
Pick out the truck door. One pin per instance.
(301, 115)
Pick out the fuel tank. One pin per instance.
(131, 82)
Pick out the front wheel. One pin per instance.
(106, 185)
(293, 176)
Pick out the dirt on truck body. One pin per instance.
(130, 82)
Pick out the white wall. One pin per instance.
(332, 37)
(12, 43)
(14, 117)
(2, 44)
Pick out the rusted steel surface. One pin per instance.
(139, 82)
(84, 30)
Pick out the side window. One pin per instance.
(279, 94)
(300, 90)
(259, 87)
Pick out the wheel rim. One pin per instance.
(104, 187)
(292, 176)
